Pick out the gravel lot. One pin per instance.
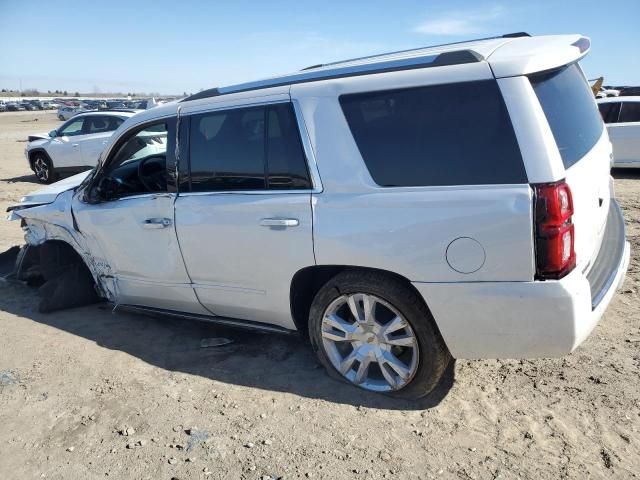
(88, 394)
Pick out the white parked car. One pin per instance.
(399, 210)
(622, 117)
(74, 146)
(607, 92)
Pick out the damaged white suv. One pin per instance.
(399, 210)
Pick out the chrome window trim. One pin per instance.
(244, 192)
(310, 158)
(152, 196)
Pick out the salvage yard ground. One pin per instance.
(87, 394)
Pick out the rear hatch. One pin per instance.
(582, 141)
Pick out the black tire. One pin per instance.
(433, 354)
(43, 168)
(61, 118)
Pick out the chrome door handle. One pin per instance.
(151, 223)
(279, 222)
(74, 144)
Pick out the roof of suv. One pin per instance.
(509, 55)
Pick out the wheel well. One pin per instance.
(307, 282)
(48, 259)
(32, 154)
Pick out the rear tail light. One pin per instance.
(554, 231)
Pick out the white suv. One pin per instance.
(399, 210)
(622, 117)
(74, 146)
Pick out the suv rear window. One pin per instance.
(568, 104)
(454, 134)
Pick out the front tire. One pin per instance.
(374, 331)
(43, 168)
(61, 118)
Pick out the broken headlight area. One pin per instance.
(62, 278)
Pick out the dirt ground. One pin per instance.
(87, 394)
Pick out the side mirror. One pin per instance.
(53, 133)
(104, 190)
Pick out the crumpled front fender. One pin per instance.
(55, 221)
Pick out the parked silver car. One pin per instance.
(66, 112)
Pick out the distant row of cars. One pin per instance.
(71, 107)
(65, 112)
(30, 105)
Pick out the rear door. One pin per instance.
(579, 133)
(244, 222)
(625, 135)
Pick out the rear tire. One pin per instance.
(61, 118)
(43, 168)
(397, 345)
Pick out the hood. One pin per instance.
(49, 193)
(38, 136)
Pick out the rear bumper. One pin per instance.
(530, 319)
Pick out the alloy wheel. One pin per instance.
(370, 342)
(41, 168)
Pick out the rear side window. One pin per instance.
(609, 111)
(630, 112)
(101, 124)
(568, 104)
(454, 134)
(247, 149)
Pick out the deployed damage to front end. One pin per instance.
(56, 257)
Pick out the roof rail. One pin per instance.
(340, 70)
(435, 60)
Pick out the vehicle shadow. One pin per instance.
(626, 173)
(266, 361)
(30, 178)
(22, 178)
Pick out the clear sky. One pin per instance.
(184, 46)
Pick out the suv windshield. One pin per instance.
(570, 109)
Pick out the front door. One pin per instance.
(132, 230)
(245, 223)
(64, 149)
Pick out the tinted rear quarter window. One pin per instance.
(630, 112)
(454, 134)
(568, 104)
